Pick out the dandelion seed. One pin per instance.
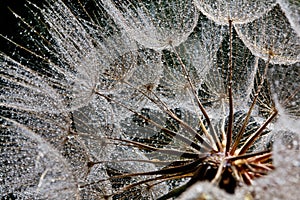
(292, 12)
(152, 26)
(239, 12)
(264, 34)
(30, 167)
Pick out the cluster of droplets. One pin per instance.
(99, 77)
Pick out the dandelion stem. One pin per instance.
(240, 134)
(255, 135)
(171, 170)
(250, 155)
(160, 150)
(170, 173)
(230, 120)
(153, 161)
(196, 146)
(192, 87)
(165, 108)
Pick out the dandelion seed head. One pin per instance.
(144, 99)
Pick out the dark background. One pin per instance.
(7, 20)
(9, 23)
